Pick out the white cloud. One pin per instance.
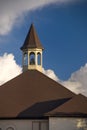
(76, 83)
(73, 85)
(51, 74)
(11, 10)
(8, 68)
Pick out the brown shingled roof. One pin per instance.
(76, 107)
(29, 91)
(32, 40)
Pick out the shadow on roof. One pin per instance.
(41, 108)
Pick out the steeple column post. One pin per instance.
(28, 58)
(41, 59)
(36, 58)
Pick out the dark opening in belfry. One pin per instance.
(39, 58)
(32, 58)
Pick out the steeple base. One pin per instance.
(32, 67)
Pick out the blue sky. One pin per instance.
(62, 29)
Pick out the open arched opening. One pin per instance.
(32, 58)
(25, 58)
(39, 58)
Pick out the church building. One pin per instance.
(33, 101)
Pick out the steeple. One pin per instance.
(32, 51)
(32, 40)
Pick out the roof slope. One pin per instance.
(32, 40)
(39, 109)
(77, 106)
(31, 88)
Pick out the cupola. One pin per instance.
(32, 51)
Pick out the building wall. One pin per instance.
(67, 123)
(24, 125)
(52, 124)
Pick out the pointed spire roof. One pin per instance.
(32, 40)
